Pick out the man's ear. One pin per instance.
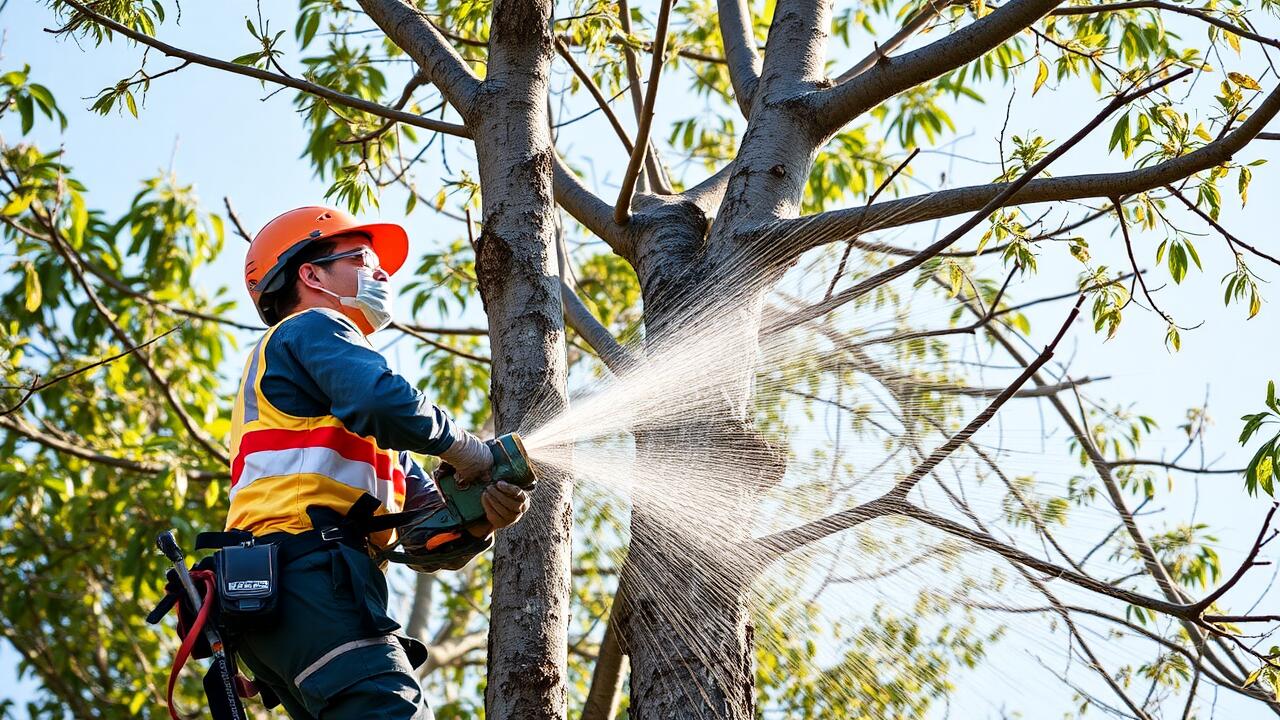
(307, 276)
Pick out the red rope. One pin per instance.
(193, 634)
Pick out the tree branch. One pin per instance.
(600, 99)
(84, 452)
(606, 676)
(413, 32)
(588, 209)
(1249, 563)
(889, 76)
(739, 41)
(1156, 5)
(835, 225)
(124, 289)
(350, 101)
(579, 317)
(235, 220)
(815, 226)
(439, 345)
(894, 501)
(36, 387)
(913, 26)
(622, 209)
(1175, 466)
(74, 262)
(1217, 226)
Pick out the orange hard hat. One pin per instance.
(282, 238)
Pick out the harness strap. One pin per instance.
(219, 540)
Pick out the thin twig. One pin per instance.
(622, 209)
(37, 387)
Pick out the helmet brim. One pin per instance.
(389, 241)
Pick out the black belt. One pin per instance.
(328, 528)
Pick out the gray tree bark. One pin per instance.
(520, 287)
(506, 115)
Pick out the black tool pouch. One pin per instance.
(248, 585)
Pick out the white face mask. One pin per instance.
(373, 299)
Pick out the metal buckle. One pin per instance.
(330, 534)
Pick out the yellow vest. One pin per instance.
(282, 464)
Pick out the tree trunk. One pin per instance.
(519, 284)
(686, 623)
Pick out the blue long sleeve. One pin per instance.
(320, 358)
(419, 490)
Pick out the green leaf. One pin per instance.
(27, 111)
(128, 101)
(309, 29)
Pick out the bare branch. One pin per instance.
(894, 501)
(439, 345)
(329, 94)
(1128, 517)
(446, 330)
(1249, 563)
(1232, 239)
(655, 176)
(588, 209)
(450, 651)
(622, 209)
(235, 220)
(577, 316)
(708, 193)
(600, 99)
(633, 64)
(1175, 466)
(606, 676)
(739, 41)
(1133, 262)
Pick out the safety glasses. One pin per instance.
(369, 257)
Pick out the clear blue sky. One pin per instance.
(218, 131)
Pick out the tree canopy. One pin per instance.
(843, 210)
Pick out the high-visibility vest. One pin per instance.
(282, 464)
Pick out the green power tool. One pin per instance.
(439, 540)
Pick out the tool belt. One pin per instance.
(241, 580)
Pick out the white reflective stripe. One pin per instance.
(315, 460)
(324, 659)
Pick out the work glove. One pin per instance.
(470, 457)
(504, 503)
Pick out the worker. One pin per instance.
(321, 434)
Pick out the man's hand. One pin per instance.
(503, 504)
